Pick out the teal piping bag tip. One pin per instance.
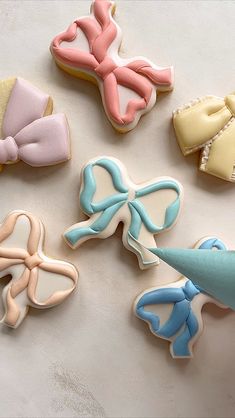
(212, 271)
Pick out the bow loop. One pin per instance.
(30, 135)
(156, 75)
(91, 187)
(209, 124)
(181, 324)
(36, 145)
(230, 103)
(209, 114)
(26, 104)
(155, 208)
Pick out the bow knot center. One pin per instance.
(8, 150)
(105, 67)
(131, 195)
(32, 261)
(190, 290)
(230, 103)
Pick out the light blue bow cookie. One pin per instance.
(126, 203)
(184, 321)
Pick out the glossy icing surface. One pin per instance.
(109, 197)
(29, 132)
(95, 329)
(36, 280)
(208, 124)
(173, 311)
(97, 58)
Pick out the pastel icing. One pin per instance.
(208, 124)
(29, 132)
(36, 280)
(98, 60)
(109, 197)
(173, 311)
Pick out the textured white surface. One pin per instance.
(90, 357)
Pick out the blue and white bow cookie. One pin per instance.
(173, 311)
(109, 197)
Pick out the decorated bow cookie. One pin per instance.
(173, 311)
(209, 124)
(29, 132)
(109, 197)
(89, 49)
(36, 280)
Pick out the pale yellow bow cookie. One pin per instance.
(209, 124)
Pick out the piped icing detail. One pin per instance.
(181, 324)
(29, 132)
(124, 203)
(37, 280)
(103, 63)
(208, 124)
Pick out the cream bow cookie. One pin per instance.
(209, 124)
(37, 281)
(109, 197)
(29, 132)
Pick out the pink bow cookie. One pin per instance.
(36, 280)
(29, 132)
(99, 61)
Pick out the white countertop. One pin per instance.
(91, 357)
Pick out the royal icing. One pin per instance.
(173, 311)
(209, 124)
(36, 280)
(89, 48)
(29, 132)
(109, 197)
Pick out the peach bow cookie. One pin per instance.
(36, 280)
(208, 124)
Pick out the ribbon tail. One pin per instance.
(111, 98)
(95, 226)
(146, 255)
(181, 346)
(162, 78)
(15, 312)
(177, 318)
(159, 296)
